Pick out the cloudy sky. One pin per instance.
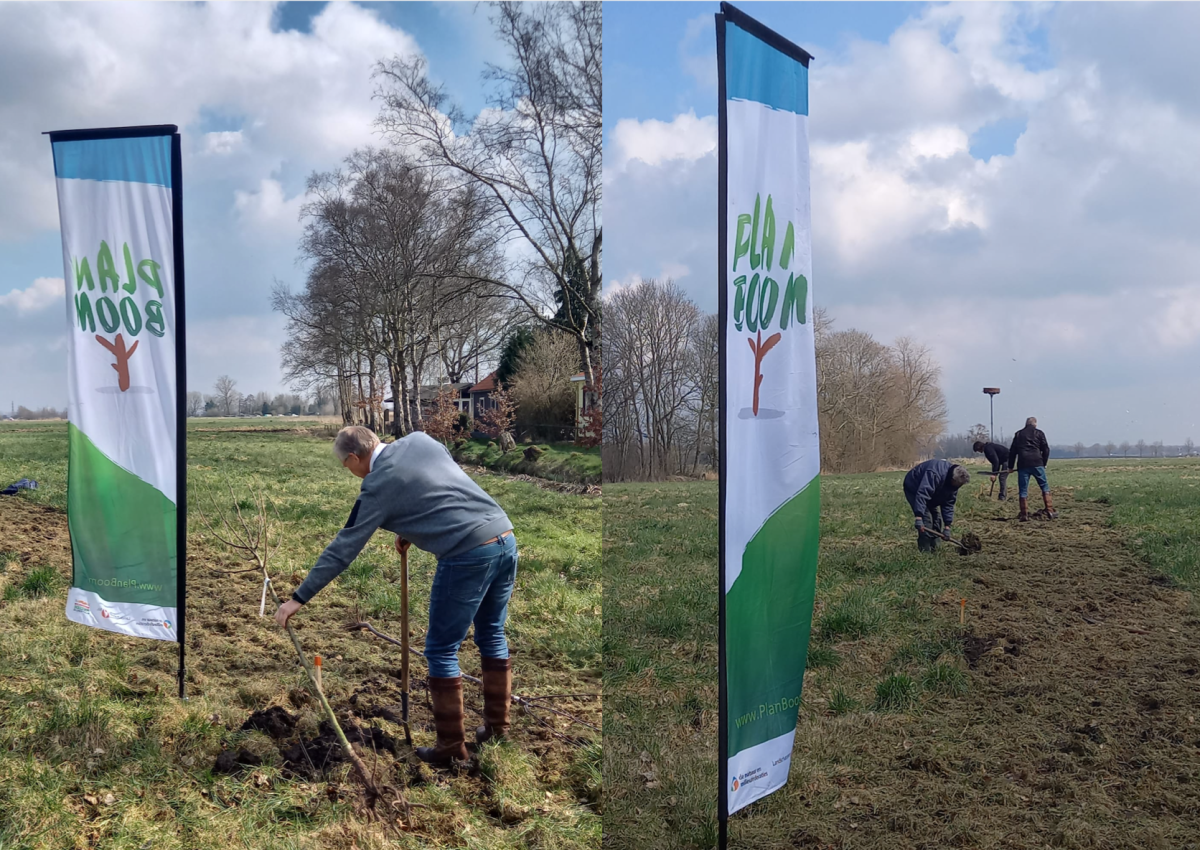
(263, 93)
(1017, 186)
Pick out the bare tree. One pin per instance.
(1125, 447)
(226, 395)
(195, 404)
(542, 388)
(704, 369)
(1141, 447)
(535, 154)
(398, 284)
(1189, 447)
(648, 370)
(1109, 448)
(1078, 449)
(1158, 448)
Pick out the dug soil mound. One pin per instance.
(1080, 726)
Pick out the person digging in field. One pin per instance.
(998, 456)
(1030, 453)
(931, 488)
(414, 489)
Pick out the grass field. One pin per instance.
(96, 751)
(1063, 714)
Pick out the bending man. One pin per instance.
(1029, 454)
(998, 456)
(931, 488)
(414, 489)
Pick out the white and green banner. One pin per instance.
(770, 455)
(117, 200)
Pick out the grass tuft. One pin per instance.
(41, 581)
(943, 678)
(896, 693)
(842, 703)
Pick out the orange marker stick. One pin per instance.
(318, 665)
(962, 612)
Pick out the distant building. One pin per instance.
(585, 400)
(481, 396)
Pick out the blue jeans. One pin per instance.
(1038, 472)
(472, 587)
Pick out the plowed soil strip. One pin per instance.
(1080, 727)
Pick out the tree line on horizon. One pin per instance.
(878, 405)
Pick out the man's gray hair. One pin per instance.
(354, 440)
(1031, 421)
(959, 477)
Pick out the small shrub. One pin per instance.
(895, 693)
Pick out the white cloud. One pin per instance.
(697, 53)
(305, 98)
(1066, 272)
(224, 142)
(269, 208)
(655, 142)
(42, 293)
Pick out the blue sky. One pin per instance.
(1014, 185)
(264, 94)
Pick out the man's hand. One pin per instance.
(286, 610)
(402, 544)
(946, 531)
(919, 523)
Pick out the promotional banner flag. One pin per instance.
(119, 205)
(770, 456)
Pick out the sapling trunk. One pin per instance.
(255, 545)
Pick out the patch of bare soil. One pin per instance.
(37, 535)
(544, 483)
(237, 657)
(1081, 726)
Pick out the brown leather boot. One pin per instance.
(497, 696)
(446, 694)
(1023, 516)
(1050, 512)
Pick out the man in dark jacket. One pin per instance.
(931, 488)
(998, 456)
(1030, 453)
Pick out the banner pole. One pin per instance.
(722, 454)
(181, 407)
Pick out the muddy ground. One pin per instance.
(244, 661)
(1079, 728)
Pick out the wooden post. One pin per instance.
(404, 688)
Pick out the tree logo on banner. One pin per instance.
(115, 309)
(756, 293)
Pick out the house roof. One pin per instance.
(429, 392)
(487, 385)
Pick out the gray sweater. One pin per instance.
(416, 490)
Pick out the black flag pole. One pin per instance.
(180, 408)
(722, 320)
